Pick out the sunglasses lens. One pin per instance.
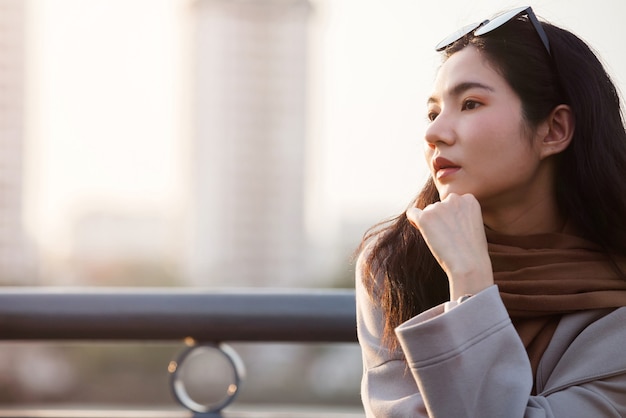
(489, 25)
(500, 20)
(456, 36)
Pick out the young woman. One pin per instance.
(501, 291)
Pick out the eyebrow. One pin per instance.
(461, 88)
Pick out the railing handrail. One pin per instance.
(131, 314)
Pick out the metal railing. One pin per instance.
(203, 319)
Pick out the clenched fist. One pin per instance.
(455, 234)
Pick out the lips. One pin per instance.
(444, 167)
(440, 163)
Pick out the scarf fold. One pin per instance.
(545, 276)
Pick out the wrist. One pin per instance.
(470, 284)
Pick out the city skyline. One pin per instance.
(108, 102)
(246, 220)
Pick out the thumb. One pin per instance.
(413, 215)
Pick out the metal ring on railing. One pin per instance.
(178, 372)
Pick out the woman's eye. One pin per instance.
(432, 116)
(470, 105)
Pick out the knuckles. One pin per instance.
(454, 206)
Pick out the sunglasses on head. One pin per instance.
(487, 26)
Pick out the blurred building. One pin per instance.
(249, 106)
(122, 248)
(15, 262)
(109, 237)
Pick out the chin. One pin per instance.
(447, 189)
(445, 192)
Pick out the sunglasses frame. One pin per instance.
(489, 25)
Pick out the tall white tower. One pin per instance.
(13, 254)
(247, 225)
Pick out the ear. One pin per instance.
(557, 131)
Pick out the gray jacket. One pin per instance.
(470, 362)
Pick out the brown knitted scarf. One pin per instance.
(542, 277)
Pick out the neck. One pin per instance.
(533, 210)
(536, 218)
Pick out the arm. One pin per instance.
(389, 388)
(470, 362)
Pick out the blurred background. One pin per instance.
(215, 143)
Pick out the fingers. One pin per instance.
(466, 204)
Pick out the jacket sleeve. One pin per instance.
(470, 362)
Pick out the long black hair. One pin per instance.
(399, 269)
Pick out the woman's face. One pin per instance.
(477, 140)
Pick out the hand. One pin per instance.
(453, 230)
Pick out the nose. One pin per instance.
(440, 132)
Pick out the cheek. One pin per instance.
(509, 164)
(502, 139)
(500, 153)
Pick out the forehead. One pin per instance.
(467, 65)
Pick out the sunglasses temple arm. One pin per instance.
(539, 29)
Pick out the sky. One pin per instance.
(107, 102)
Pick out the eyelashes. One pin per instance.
(468, 104)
